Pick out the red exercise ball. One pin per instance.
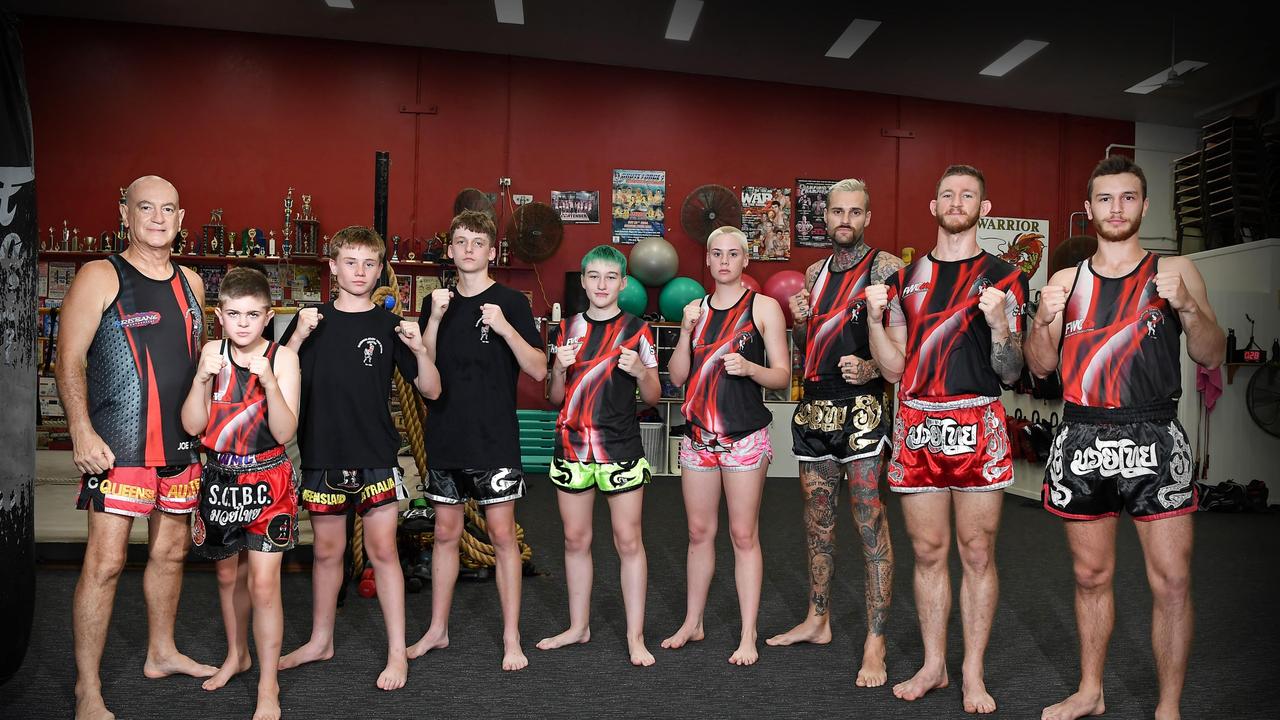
(750, 283)
(781, 286)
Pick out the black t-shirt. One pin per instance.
(473, 423)
(347, 363)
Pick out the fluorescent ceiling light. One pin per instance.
(510, 12)
(344, 4)
(852, 38)
(1013, 58)
(1157, 81)
(683, 17)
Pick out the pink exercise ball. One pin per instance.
(781, 286)
(750, 283)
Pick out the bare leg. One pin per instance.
(380, 547)
(500, 521)
(977, 520)
(104, 558)
(162, 586)
(444, 576)
(877, 558)
(1166, 544)
(1093, 553)
(628, 540)
(233, 594)
(819, 482)
(575, 512)
(702, 511)
(742, 492)
(326, 580)
(268, 629)
(928, 517)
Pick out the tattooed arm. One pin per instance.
(800, 306)
(855, 370)
(1001, 310)
(1006, 358)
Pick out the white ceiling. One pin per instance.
(1094, 52)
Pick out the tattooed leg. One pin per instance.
(819, 481)
(877, 555)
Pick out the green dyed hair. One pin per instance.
(605, 254)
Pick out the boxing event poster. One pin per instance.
(811, 212)
(766, 221)
(577, 207)
(1019, 241)
(639, 202)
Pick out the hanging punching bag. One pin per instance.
(18, 246)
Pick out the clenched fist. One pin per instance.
(692, 312)
(629, 362)
(440, 298)
(1053, 298)
(308, 319)
(735, 364)
(799, 305)
(211, 363)
(877, 297)
(991, 303)
(567, 354)
(411, 336)
(261, 367)
(1169, 286)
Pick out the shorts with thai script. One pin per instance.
(1096, 469)
(952, 444)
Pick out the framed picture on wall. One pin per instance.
(811, 212)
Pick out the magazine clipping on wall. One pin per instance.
(1020, 241)
(811, 212)
(639, 202)
(577, 207)
(766, 221)
(422, 287)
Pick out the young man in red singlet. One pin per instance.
(1111, 326)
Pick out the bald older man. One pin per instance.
(129, 340)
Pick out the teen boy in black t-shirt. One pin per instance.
(481, 336)
(348, 349)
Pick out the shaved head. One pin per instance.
(149, 182)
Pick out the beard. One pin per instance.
(1124, 232)
(956, 225)
(854, 239)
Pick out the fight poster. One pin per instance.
(1020, 241)
(766, 221)
(577, 207)
(639, 202)
(811, 212)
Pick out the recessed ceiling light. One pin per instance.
(683, 17)
(344, 4)
(1013, 58)
(510, 12)
(852, 38)
(1157, 81)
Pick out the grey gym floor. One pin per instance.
(1234, 672)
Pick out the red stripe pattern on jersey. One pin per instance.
(238, 409)
(718, 407)
(597, 422)
(837, 322)
(1120, 340)
(948, 350)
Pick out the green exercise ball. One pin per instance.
(677, 293)
(633, 298)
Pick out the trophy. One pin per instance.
(250, 246)
(306, 231)
(288, 217)
(122, 230)
(229, 250)
(271, 244)
(51, 244)
(213, 235)
(181, 245)
(66, 238)
(105, 240)
(325, 250)
(395, 245)
(75, 240)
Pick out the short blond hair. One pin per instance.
(355, 236)
(728, 230)
(850, 185)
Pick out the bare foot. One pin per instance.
(230, 668)
(925, 679)
(89, 706)
(872, 673)
(746, 654)
(686, 634)
(175, 664)
(394, 675)
(430, 641)
(268, 703)
(816, 630)
(640, 655)
(311, 652)
(568, 637)
(1166, 713)
(1079, 705)
(513, 656)
(977, 699)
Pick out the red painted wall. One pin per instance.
(234, 119)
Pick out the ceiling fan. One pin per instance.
(1172, 76)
